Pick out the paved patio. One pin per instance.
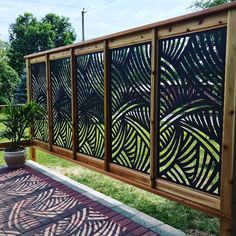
(35, 201)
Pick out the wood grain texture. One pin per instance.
(29, 80)
(59, 55)
(153, 110)
(29, 87)
(228, 150)
(38, 59)
(25, 143)
(74, 104)
(32, 153)
(107, 107)
(94, 47)
(130, 39)
(49, 101)
(193, 25)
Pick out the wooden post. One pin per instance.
(32, 152)
(228, 144)
(49, 101)
(107, 106)
(74, 104)
(29, 80)
(153, 111)
(29, 87)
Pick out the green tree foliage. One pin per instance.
(59, 29)
(4, 47)
(204, 4)
(28, 35)
(9, 80)
(20, 94)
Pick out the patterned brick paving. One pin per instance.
(34, 204)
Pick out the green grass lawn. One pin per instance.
(172, 213)
(1, 128)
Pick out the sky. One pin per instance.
(103, 16)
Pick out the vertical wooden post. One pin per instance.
(74, 103)
(32, 151)
(29, 80)
(228, 149)
(107, 106)
(29, 86)
(153, 109)
(49, 101)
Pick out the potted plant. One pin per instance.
(17, 119)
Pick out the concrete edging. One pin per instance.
(131, 213)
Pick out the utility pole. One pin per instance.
(82, 13)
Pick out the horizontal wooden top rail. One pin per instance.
(16, 105)
(180, 19)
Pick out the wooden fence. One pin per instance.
(152, 106)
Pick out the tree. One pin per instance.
(28, 35)
(4, 47)
(60, 30)
(204, 4)
(9, 80)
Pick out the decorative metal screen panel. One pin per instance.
(130, 97)
(61, 103)
(90, 92)
(191, 94)
(39, 95)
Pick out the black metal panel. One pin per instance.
(191, 96)
(39, 95)
(61, 102)
(90, 93)
(130, 93)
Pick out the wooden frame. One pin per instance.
(74, 103)
(224, 206)
(107, 107)
(49, 101)
(153, 115)
(228, 149)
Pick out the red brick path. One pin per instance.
(34, 204)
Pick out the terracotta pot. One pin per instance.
(16, 159)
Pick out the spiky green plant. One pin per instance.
(17, 119)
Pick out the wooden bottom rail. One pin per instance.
(25, 143)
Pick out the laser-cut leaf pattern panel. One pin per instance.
(90, 92)
(130, 94)
(61, 102)
(191, 96)
(39, 95)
